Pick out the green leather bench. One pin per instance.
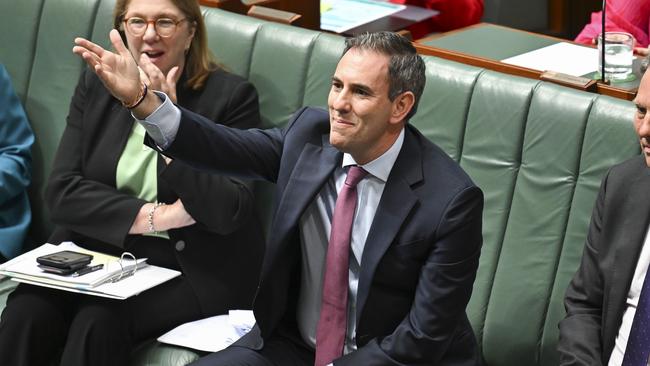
(536, 149)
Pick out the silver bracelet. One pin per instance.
(152, 211)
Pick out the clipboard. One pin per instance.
(122, 278)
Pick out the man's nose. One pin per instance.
(341, 101)
(644, 126)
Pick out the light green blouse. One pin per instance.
(137, 172)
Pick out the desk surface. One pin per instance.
(486, 44)
(489, 41)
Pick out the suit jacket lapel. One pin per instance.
(396, 202)
(627, 251)
(313, 168)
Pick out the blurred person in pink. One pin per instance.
(631, 16)
(453, 14)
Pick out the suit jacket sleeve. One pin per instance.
(201, 192)
(580, 331)
(251, 154)
(443, 291)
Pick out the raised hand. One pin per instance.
(118, 71)
(156, 80)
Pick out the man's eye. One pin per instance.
(362, 92)
(640, 111)
(336, 85)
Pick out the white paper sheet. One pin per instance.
(342, 15)
(567, 58)
(211, 334)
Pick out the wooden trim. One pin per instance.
(213, 3)
(477, 61)
(274, 15)
(258, 2)
(557, 16)
(234, 6)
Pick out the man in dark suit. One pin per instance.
(605, 295)
(411, 255)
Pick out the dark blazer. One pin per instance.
(221, 254)
(420, 257)
(596, 297)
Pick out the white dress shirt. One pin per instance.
(315, 227)
(616, 359)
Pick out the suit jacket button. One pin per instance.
(180, 245)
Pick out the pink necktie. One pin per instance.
(331, 329)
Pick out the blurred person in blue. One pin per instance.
(16, 139)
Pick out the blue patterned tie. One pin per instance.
(638, 343)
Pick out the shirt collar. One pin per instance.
(381, 166)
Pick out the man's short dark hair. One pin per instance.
(406, 70)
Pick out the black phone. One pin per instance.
(60, 271)
(66, 260)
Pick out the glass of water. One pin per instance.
(618, 56)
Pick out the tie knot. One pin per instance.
(355, 174)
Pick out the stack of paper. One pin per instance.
(116, 280)
(211, 334)
(567, 58)
(342, 15)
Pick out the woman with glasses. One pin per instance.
(110, 193)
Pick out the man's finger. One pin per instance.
(118, 44)
(88, 57)
(90, 46)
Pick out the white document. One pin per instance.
(342, 15)
(24, 267)
(567, 58)
(99, 283)
(211, 334)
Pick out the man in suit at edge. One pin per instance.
(601, 300)
(416, 233)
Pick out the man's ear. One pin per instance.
(402, 105)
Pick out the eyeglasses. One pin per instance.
(164, 27)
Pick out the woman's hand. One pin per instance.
(172, 216)
(118, 71)
(156, 80)
(165, 217)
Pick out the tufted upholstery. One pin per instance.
(537, 150)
